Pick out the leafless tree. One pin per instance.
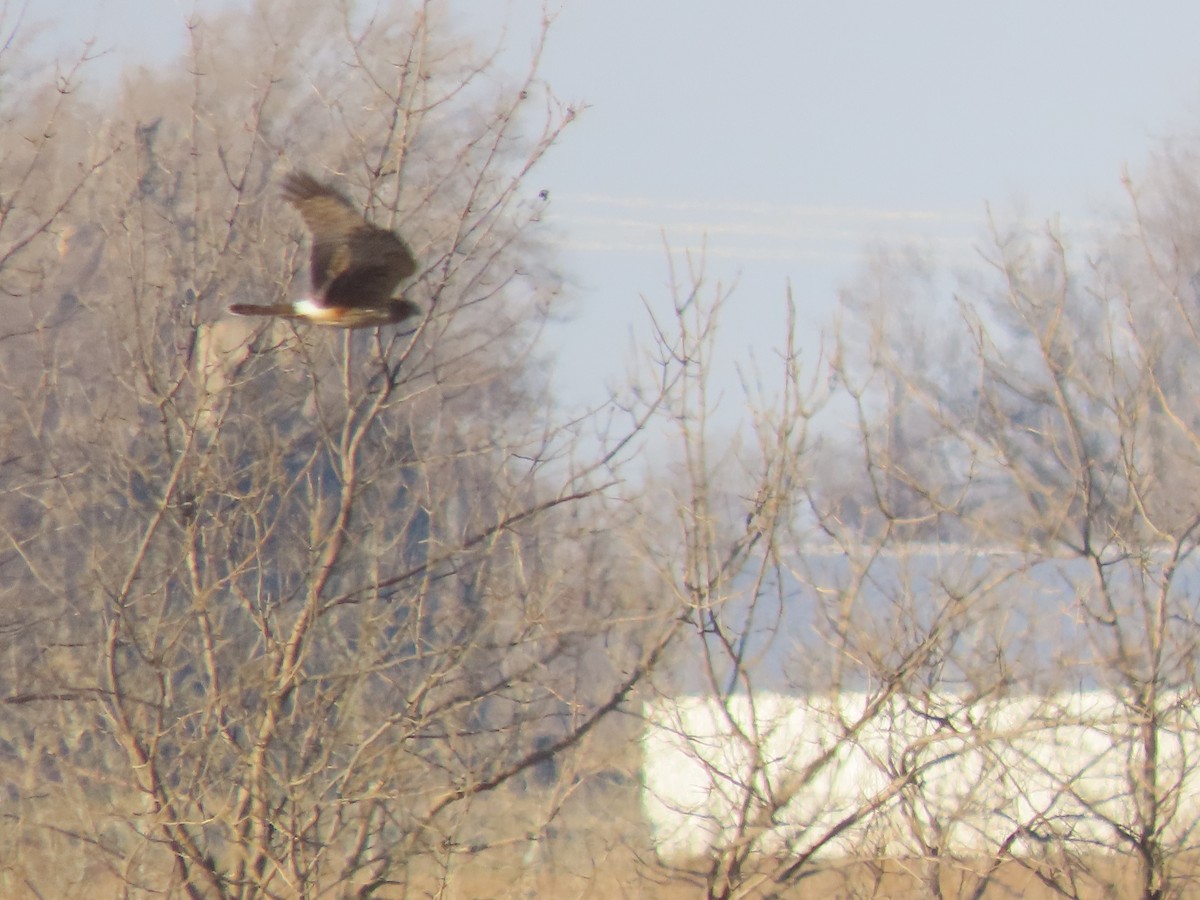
(1051, 424)
(292, 611)
(942, 602)
(782, 601)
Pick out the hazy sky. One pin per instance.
(790, 133)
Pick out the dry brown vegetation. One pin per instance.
(289, 612)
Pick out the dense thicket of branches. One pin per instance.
(975, 568)
(289, 610)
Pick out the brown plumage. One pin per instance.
(355, 266)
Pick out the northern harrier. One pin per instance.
(355, 266)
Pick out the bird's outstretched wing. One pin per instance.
(353, 262)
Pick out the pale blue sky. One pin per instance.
(792, 132)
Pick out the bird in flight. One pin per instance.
(355, 266)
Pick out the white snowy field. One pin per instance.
(793, 773)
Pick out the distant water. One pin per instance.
(1046, 623)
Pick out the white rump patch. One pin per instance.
(311, 309)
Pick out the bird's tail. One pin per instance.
(251, 309)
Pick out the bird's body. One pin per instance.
(355, 266)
